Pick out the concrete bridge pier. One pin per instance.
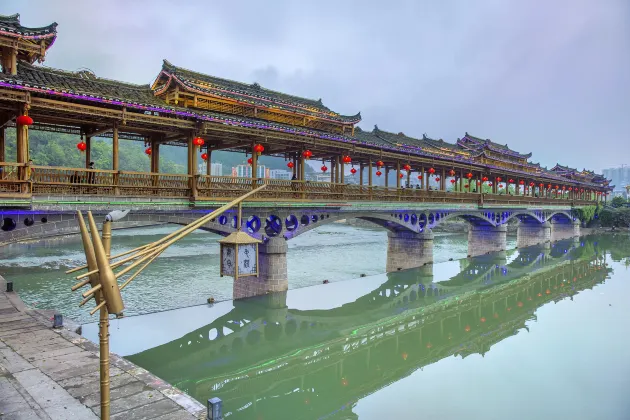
(406, 249)
(483, 239)
(535, 233)
(272, 271)
(564, 230)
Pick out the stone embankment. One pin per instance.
(53, 374)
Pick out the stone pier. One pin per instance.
(529, 234)
(483, 239)
(561, 230)
(406, 249)
(272, 271)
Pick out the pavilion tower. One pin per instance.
(19, 43)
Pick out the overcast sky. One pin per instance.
(547, 76)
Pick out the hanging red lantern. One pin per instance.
(451, 172)
(541, 185)
(354, 171)
(564, 188)
(469, 175)
(570, 188)
(437, 179)
(531, 184)
(250, 161)
(379, 173)
(466, 186)
(510, 181)
(204, 156)
(324, 168)
(307, 154)
(500, 185)
(484, 179)
(198, 141)
(24, 120)
(407, 167)
(453, 181)
(419, 176)
(258, 149)
(521, 182)
(290, 165)
(582, 190)
(379, 164)
(490, 184)
(557, 187)
(499, 179)
(400, 175)
(347, 159)
(147, 151)
(548, 186)
(82, 146)
(431, 171)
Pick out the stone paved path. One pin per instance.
(54, 375)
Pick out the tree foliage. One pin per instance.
(618, 201)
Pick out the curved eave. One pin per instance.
(47, 32)
(296, 110)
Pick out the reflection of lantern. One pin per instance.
(239, 255)
(147, 151)
(379, 173)
(204, 156)
(347, 159)
(354, 171)
(379, 164)
(290, 165)
(250, 161)
(467, 328)
(82, 146)
(483, 319)
(258, 149)
(324, 168)
(307, 154)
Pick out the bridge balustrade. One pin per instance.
(82, 181)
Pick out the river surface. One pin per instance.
(188, 272)
(534, 333)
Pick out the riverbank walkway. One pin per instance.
(53, 374)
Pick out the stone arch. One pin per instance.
(480, 217)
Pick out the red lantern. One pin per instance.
(521, 182)
(548, 186)
(484, 179)
(204, 156)
(290, 165)
(490, 184)
(478, 182)
(419, 176)
(431, 171)
(82, 146)
(400, 175)
(564, 188)
(531, 184)
(250, 161)
(354, 171)
(324, 168)
(453, 181)
(483, 319)
(347, 159)
(258, 149)
(147, 151)
(466, 186)
(469, 175)
(557, 187)
(510, 181)
(519, 304)
(407, 167)
(451, 172)
(467, 328)
(437, 179)
(499, 179)
(379, 173)
(500, 185)
(570, 188)
(379, 164)
(24, 120)
(198, 141)
(541, 185)
(548, 291)
(307, 154)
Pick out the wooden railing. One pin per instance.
(80, 181)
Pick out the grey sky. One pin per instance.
(550, 77)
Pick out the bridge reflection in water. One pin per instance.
(267, 361)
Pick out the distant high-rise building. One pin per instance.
(245, 171)
(216, 168)
(280, 174)
(620, 177)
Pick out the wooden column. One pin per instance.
(443, 180)
(2, 146)
(302, 169)
(398, 175)
(22, 145)
(370, 173)
(209, 161)
(155, 156)
(115, 148)
(88, 150)
(192, 166)
(254, 166)
(332, 171)
(424, 180)
(342, 170)
(361, 174)
(386, 177)
(409, 179)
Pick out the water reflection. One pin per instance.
(268, 361)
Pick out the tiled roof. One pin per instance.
(10, 25)
(476, 143)
(253, 94)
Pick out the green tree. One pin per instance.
(618, 201)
